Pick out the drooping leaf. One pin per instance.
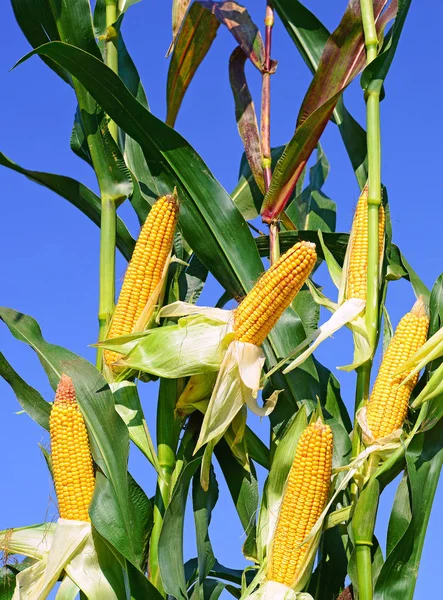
(78, 195)
(245, 115)
(73, 24)
(191, 46)
(342, 59)
(37, 23)
(31, 401)
(237, 19)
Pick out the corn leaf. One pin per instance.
(238, 21)
(310, 37)
(245, 115)
(191, 46)
(424, 458)
(312, 209)
(243, 487)
(39, 27)
(179, 10)
(108, 434)
(211, 224)
(128, 406)
(77, 194)
(181, 167)
(247, 195)
(342, 59)
(336, 243)
(31, 401)
(170, 546)
(203, 505)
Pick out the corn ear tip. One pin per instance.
(420, 308)
(64, 387)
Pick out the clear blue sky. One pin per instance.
(50, 250)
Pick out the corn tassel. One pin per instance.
(145, 269)
(71, 456)
(257, 314)
(388, 405)
(304, 500)
(357, 270)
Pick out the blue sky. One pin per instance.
(50, 250)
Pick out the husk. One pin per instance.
(344, 314)
(237, 384)
(72, 551)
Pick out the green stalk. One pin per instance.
(364, 521)
(111, 50)
(168, 431)
(108, 223)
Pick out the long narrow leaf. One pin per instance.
(77, 194)
(342, 59)
(192, 44)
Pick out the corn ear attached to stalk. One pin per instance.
(304, 500)
(357, 259)
(257, 314)
(145, 270)
(71, 455)
(388, 404)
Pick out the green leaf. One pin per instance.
(38, 25)
(335, 242)
(210, 222)
(107, 433)
(346, 52)
(424, 458)
(247, 195)
(170, 547)
(245, 115)
(78, 195)
(31, 401)
(312, 209)
(310, 37)
(191, 46)
(128, 406)
(243, 487)
(203, 505)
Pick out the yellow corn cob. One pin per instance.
(145, 268)
(305, 498)
(71, 456)
(388, 404)
(358, 254)
(257, 314)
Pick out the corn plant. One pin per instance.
(309, 535)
